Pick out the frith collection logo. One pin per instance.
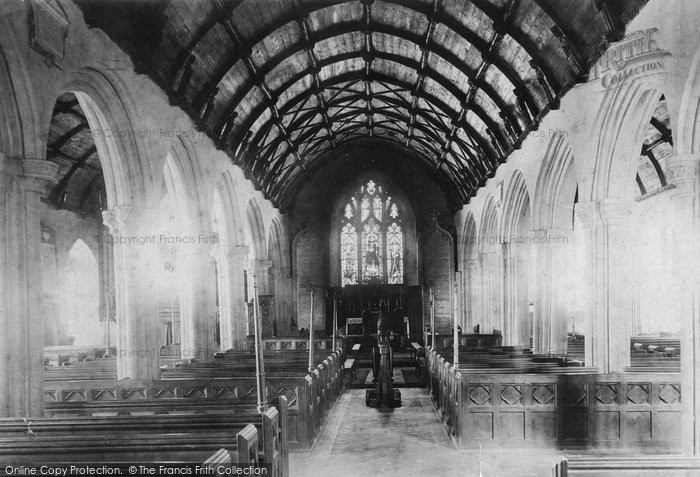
(636, 55)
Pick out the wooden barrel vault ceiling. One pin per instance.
(278, 83)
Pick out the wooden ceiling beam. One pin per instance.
(57, 195)
(61, 141)
(666, 134)
(423, 66)
(270, 98)
(657, 167)
(359, 74)
(309, 41)
(408, 62)
(339, 29)
(503, 24)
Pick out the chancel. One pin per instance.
(350, 237)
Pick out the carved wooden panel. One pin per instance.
(266, 310)
(511, 394)
(543, 394)
(480, 394)
(606, 393)
(638, 393)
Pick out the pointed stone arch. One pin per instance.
(619, 133)
(228, 224)
(109, 108)
(256, 230)
(231, 261)
(556, 187)
(556, 294)
(516, 206)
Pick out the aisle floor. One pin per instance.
(407, 441)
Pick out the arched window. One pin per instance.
(371, 238)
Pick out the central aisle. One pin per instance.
(407, 441)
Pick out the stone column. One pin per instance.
(135, 265)
(198, 309)
(560, 246)
(282, 289)
(683, 173)
(232, 261)
(616, 215)
(508, 295)
(472, 298)
(21, 324)
(542, 298)
(484, 320)
(261, 269)
(595, 337)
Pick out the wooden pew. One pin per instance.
(220, 458)
(567, 407)
(613, 466)
(136, 439)
(310, 396)
(105, 368)
(127, 447)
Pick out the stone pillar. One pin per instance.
(684, 174)
(135, 265)
(261, 269)
(232, 261)
(542, 298)
(560, 247)
(282, 289)
(508, 296)
(472, 298)
(595, 338)
(617, 276)
(21, 324)
(484, 320)
(198, 307)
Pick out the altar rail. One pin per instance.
(569, 410)
(310, 397)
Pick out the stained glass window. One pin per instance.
(348, 245)
(371, 239)
(394, 256)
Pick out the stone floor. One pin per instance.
(407, 441)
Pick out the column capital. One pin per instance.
(38, 173)
(615, 211)
(262, 265)
(586, 213)
(127, 216)
(229, 252)
(279, 271)
(682, 169)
